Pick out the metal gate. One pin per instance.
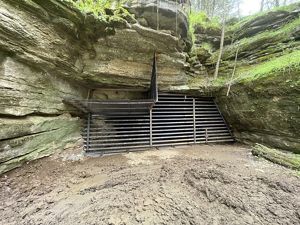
(173, 120)
(163, 119)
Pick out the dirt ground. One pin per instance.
(213, 185)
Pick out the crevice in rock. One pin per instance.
(29, 135)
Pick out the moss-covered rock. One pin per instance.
(30, 138)
(286, 159)
(52, 50)
(263, 102)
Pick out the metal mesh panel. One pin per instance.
(174, 120)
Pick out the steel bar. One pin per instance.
(174, 120)
(88, 132)
(194, 121)
(150, 114)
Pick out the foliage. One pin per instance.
(201, 19)
(97, 7)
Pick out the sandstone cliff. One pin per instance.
(263, 103)
(49, 51)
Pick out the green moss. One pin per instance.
(285, 63)
(87, 6)
(255, 43)
(103, 8)
(201, 19)
(289, 160)
(117, 21)
(285, 68)
(51, 135)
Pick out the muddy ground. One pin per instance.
(188, 185)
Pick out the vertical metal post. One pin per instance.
(194, 120)
(88, 132)
(157, 14)
(176, 17)
(206, 135)
(151, 127)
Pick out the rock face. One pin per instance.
(50, 51)
(264, 100)
(162, 14)
(265, 111)
(33, 137)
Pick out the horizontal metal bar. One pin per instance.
(172, 126)
(125, 148)
(126, 120)
(218, 134)
(102, 131)
(122, 128)
(117, 148)
(179, 112)
(123, 102)
(208, 119)
(173, 133)
(219, 138)
(171, 112)
(179, 127)
(119, 144)
(174, 108)
(198, 122)
(218, 141)
(171, 122)
(171, 138)
(172, 119)
(111, 140)
(112, 135)
(203, 131)
(122, 116)
(121, 113)
(165, 132)
(174, 141)
(183, 115)
(125, 123)
(173, 144)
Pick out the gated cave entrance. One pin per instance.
(164, 119)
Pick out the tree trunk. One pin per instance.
(262, 4)
(221, 48)
(239, 9)
(234, 69)
(213, 8)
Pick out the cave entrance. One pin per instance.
(165, 119)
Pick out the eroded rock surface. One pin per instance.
(50, 51)
(263, 102)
